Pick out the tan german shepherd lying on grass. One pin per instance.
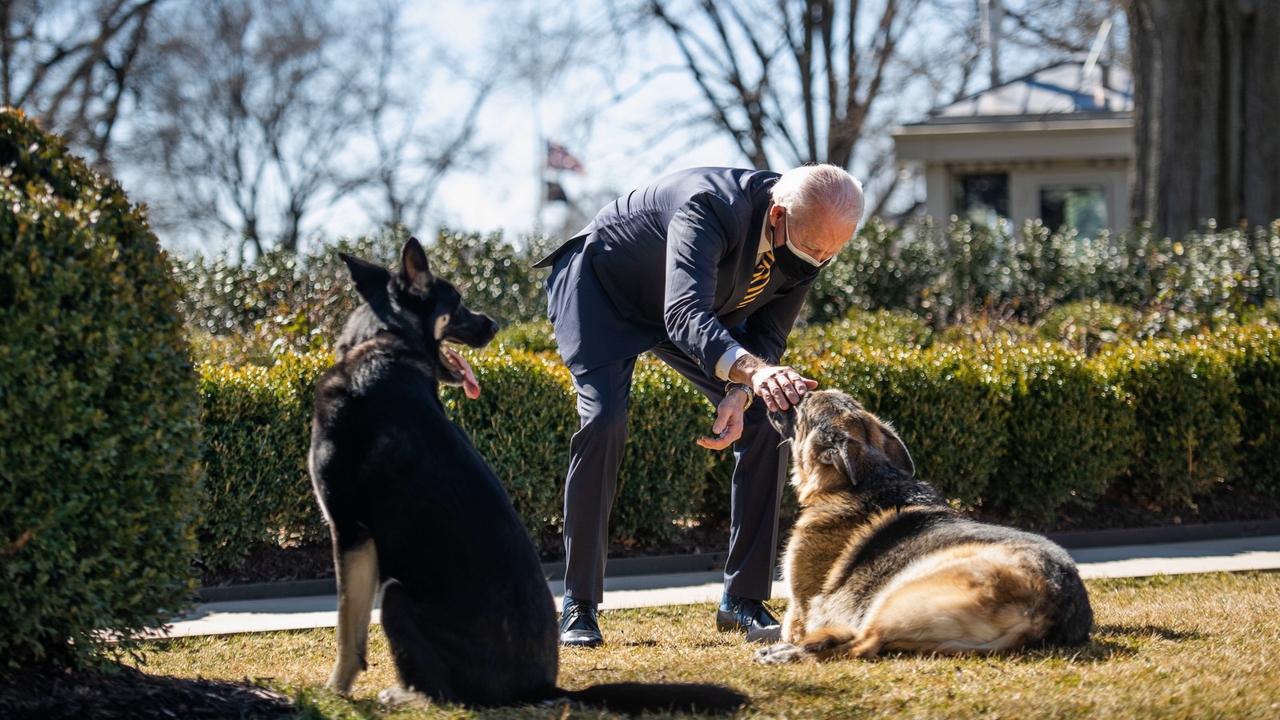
(879, 561)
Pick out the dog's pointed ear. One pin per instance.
(896, 451)
(371, 279)
(414, 266)
(835, 452)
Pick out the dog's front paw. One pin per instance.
(398, 697)
(342, 677)
(779, 654)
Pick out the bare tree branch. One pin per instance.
(71, 63)
(249, 109)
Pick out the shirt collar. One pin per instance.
(765, 245)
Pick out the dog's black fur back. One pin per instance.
(411, 503)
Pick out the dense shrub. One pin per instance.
(1088, 326)
(249, 313)
(257, 429)
(1255, 361)
(1070, 432)
(494, 275)
(1019, 430)
(99, 431)
(526, 415)
(880, 328)
(242, 312)
(1186, 414)
(952, 273)
(664, 471)
(881, 267)
(947, 404)
(535, 336)
(993, 281)
(258, 424)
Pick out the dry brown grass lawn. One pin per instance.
(1194, 646)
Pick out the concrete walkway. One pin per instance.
(1259, 553)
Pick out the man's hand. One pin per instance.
(728, 424)
(779, 386)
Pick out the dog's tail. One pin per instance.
(634, 698)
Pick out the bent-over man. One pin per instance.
(707, 269)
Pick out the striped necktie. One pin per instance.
(759, 279)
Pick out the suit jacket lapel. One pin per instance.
(747, 260)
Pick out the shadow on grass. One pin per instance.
(1151, 631)
(319, 704)
(122, 691)
(1106, 642)
(639, 643)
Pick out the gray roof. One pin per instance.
(1060, 90)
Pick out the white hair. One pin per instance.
(826, 189)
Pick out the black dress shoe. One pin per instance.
(739, 613)
(578, 624)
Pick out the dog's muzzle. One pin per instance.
(784, 421)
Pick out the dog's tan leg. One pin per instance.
(867, 646)
(793, 623)
(830, 643)
(357, 571)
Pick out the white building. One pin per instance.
(1055, 145)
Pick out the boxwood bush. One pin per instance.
(664, 471)
(1071, 431)
(257, 429)
(1016, 429)
(945, 404)
(948, 405)
(1255, 360)
(1184, 399)
(99, 429)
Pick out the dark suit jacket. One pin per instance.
(672, 262)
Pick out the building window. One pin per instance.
(1080, 208)
(983, 198)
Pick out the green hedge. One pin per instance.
(258, 424)
(1184, 399)
(526, 415)
(1071, 431)
(257, 430)
(1016, 429)
(99, 434)
(1255, 361)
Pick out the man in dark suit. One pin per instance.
(707, 269)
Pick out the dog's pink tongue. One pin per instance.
(469, 384)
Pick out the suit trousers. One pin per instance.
(595, 454)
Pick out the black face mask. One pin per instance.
(793, 267)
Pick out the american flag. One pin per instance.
(559, 159)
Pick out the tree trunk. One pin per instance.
(1207, 112)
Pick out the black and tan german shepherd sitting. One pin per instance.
(414, 509)
(878, 560)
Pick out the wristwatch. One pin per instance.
(730, 387)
